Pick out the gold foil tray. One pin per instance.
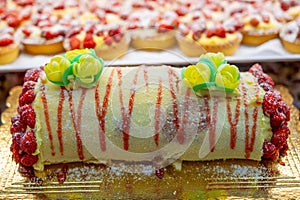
(230, 179)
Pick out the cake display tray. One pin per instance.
(230, 179)
(269, 51)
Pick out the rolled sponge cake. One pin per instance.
(145, 114)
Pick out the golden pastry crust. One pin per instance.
(8, 54)
(45, 48)
(159, 41)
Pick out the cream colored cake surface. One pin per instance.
(148, 113)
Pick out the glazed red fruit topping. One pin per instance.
(28, 160)
(18, 126)
(28, 143)
(26, 32)
(113, 32)
(220, 32)
(6, 41)
(24, 2)
(256, 69)
(182, 11)
(270, 102)
(108, 40)
(88, 41)
(254, 21)
(74, 43)
(28, 85)
(266, 18)
(32, 75)
(27, 97)
(270, 151)
(27, 115)
(50, 35)
(162, 28)
(210, 33)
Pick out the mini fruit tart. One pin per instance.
(42, 40)
(199, 37)
(290, 36)
(150, 30)
(259, 28)
(109, 41)
(9, 47)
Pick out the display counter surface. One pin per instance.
(269, 51)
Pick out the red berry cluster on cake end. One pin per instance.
(23, 136)
(279, 113)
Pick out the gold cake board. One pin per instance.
(231, 179)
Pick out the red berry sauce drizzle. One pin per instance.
(279, 113)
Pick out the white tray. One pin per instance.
(271, 51)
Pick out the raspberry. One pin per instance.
(32, 75)
(18, 126)
(6, 41)
(277, 119)
(28, 160)
(266, 86)
(15, 118)
(62, 174)
(26, 171)
(271, 102)
(108, 40)
(28, 85)
(256, 69)
(27, 97)
(283, 108)
(265, 78)
(15, 147)
(74, 43)
(88, 41)
(27, 115)
(28, 143)
(162, 28)
(270, 151)
(221, 32)
(73, 31)
(279, 138)
(159, 173)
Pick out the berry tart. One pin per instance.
(9, 47)
(42, 35)
(150, 30)
(290, 36)
(259, 27)
(197, 37)
(74, 111)
(108, 40)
